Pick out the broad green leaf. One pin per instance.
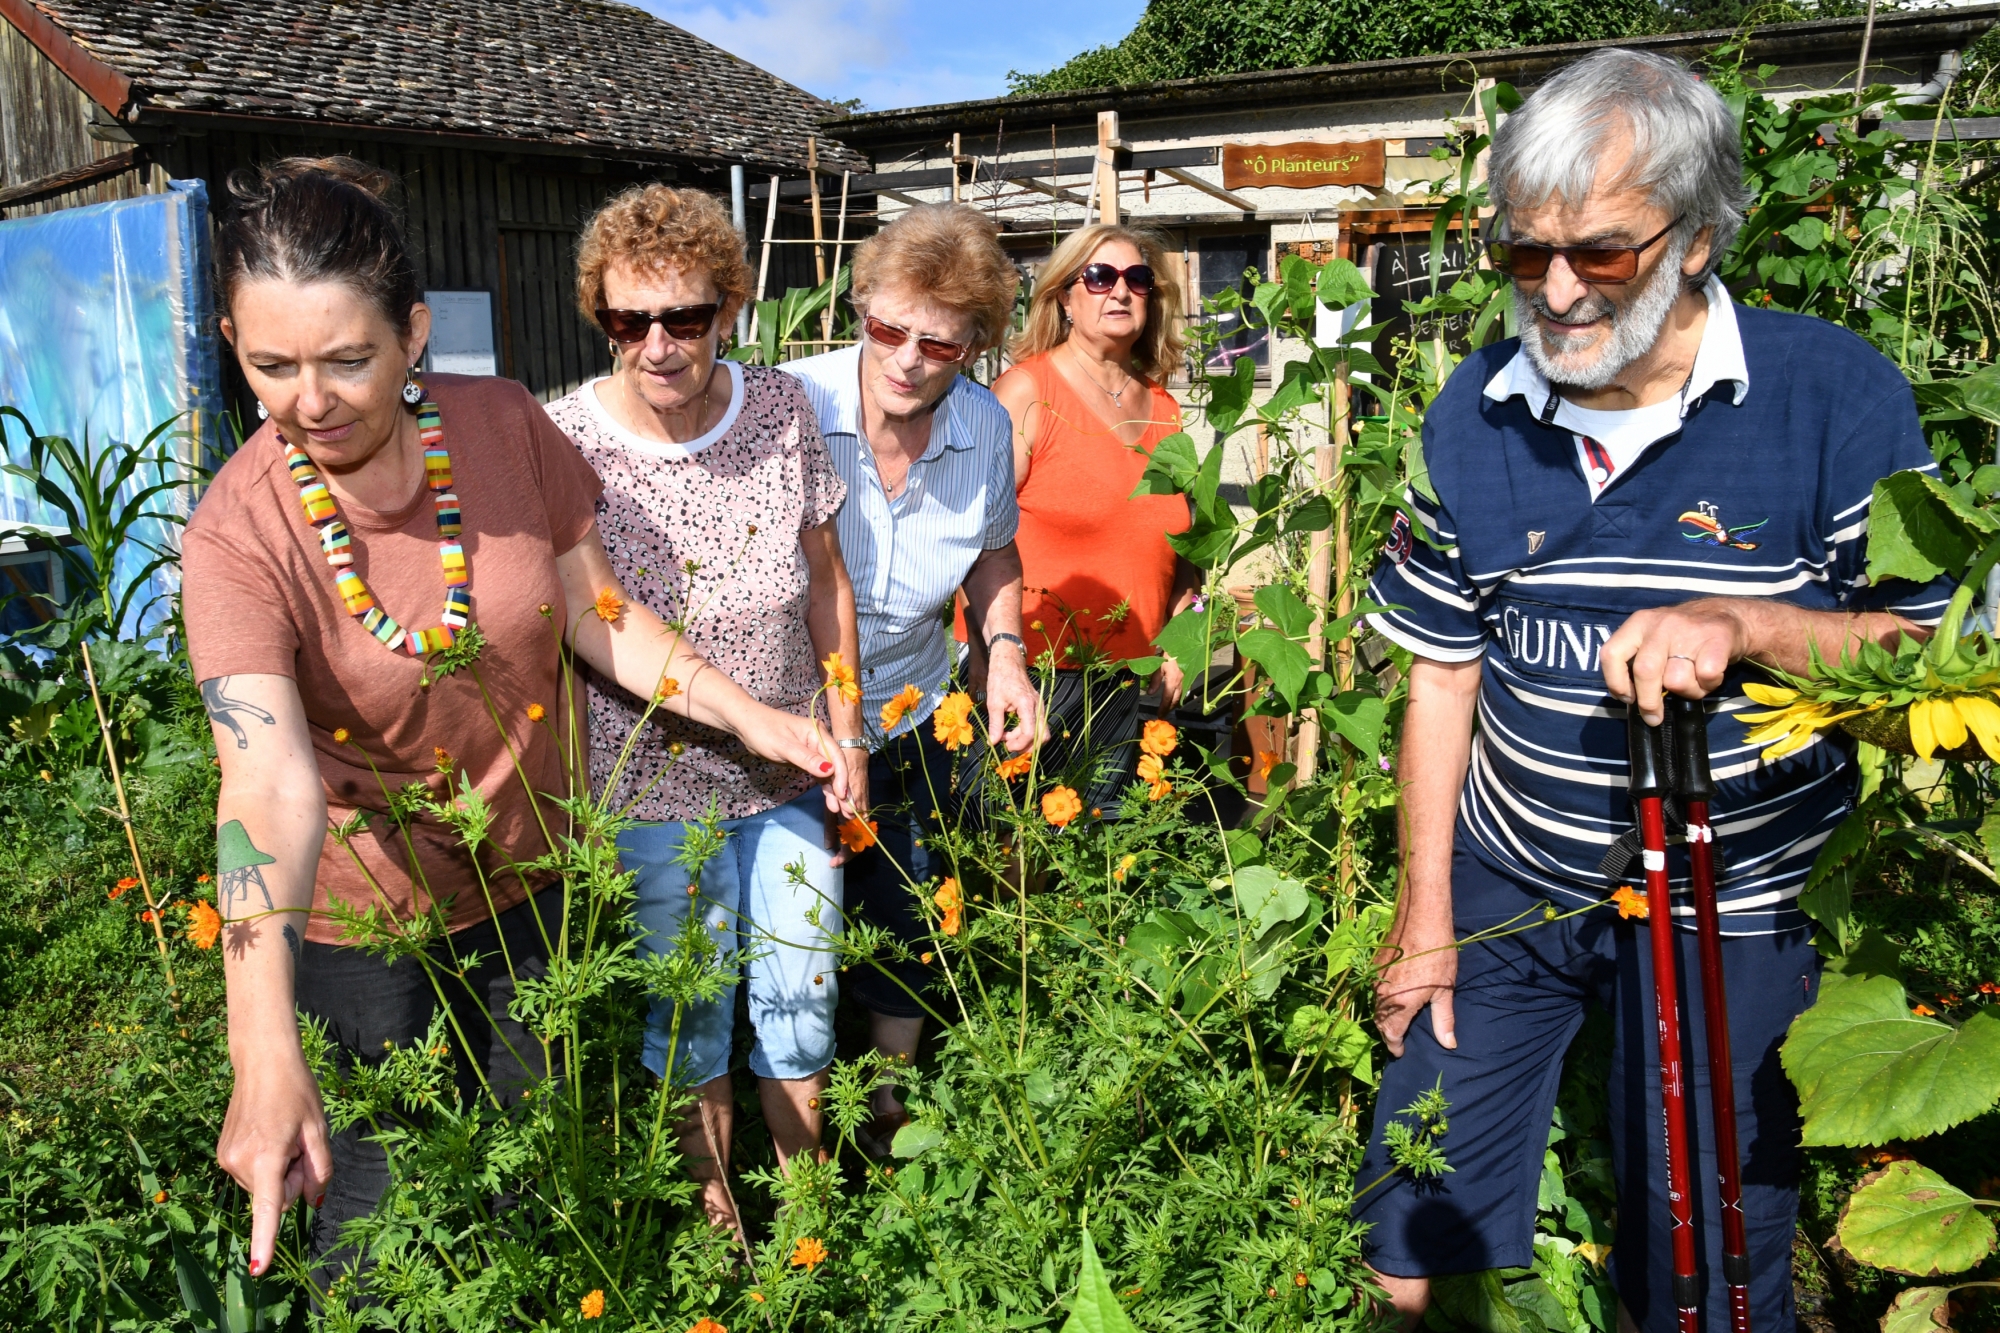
(1186, 640)
(1359, 716)
(1096, 1308)
(1245, 847)
(1870, 1071)
(1340, 284)
(1267, 898)
(1918, 529)
(1908, 1219)
(1919, 1310)
(1477, 1301)
(1283, 608)
(1171, 468)
(1229, 396)
(1284, 661)
(916, 1138)
(1807, 233)
(1297, 275)
(1315, 515)
(1979, 393)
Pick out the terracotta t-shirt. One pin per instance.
(1087, 543)
(259, 598)
(707, 533)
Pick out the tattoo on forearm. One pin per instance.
(222, 709)
(238, 865)
(292, 943)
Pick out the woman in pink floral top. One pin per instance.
(718, 514)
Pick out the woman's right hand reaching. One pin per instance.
(788, 739)
(274, 1140)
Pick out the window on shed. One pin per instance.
(1222, 261)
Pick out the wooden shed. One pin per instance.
(508, 122)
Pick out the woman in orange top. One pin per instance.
(1099, 579)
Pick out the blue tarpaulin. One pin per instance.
(106, 331)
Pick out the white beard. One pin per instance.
(1593, 363)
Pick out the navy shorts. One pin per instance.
(1520, 999)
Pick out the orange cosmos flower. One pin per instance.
(669, 687)
(952, 903)
(149, 916)
(1266, 761)
(1923, 1011)
(952, 723)
(1631, 904)
(856, 834)
(340, 735)
(609, 606)
(1152, 772)
(707, 1326)
(123, 887)
(159, 1196)
(1125, 864)
(443, 758)
(592, 1305)
(840, 678)
(536, 712)
(1060, 806)
(1160, 738)
(808, 1254)
(201, 878)
(204, 924)
(907, 698)
(1016, 766)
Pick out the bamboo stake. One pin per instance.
(957, 156)
(839, 243)
(764, 262)
(1107, 167)
(131, 839)
(819, 227)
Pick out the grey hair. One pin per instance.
(1687, 151)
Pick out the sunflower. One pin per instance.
(1793, 720)
(1943, 721)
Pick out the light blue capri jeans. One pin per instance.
(751, 902)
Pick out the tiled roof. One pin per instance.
(594, 73)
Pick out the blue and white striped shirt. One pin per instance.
(1761, 492)
(908, 556)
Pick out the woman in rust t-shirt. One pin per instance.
(358, 532)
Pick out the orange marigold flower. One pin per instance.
(707, 1326)
(894, 711)
(592, 1304)
(609, 605)
(536, 712)
(1060, 806)
(340, 735)
(1949, 1001)
(1016, 766)
(669, 687)
(857, 834)
(202, 878)
(1160, 738)
(840, 678)
(123, 886)
(952, 722)
(952, 903)
(1923, 1011)
(1631, 903)
(808, 1254)
(204, 924)
(149, 916)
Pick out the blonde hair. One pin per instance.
(1160, 343)
(654, 227)
(947, 255)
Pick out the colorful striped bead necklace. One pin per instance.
(338, 544)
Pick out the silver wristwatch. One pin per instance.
(1014, 639)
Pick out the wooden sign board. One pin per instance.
(1299, 166)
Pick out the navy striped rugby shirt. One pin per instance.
(1763, 492)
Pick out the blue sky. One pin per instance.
(898, 53)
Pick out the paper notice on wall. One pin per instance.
(462, 333)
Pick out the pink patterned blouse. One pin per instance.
(707, 533)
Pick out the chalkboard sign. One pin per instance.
(1401, 271)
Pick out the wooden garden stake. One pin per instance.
(1107, 167)
(819, 227)
(764, 260)
(131, 839)
(839, 244)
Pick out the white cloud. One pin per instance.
(818, 44)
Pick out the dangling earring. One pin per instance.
(413, 389)
(263, 412)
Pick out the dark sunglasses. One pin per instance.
(1590, 263)
(1097, 279)
(684, 323)
(932, 349)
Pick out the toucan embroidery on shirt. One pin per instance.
(1709, 530)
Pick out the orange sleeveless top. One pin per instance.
(1087, 544)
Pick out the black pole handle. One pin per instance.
(1647, 748)
(1688, 722)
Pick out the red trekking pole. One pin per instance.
(1692, 783)
(1649, 786)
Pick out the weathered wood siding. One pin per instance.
(43, 120)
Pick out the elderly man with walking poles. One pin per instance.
(1644, 499)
